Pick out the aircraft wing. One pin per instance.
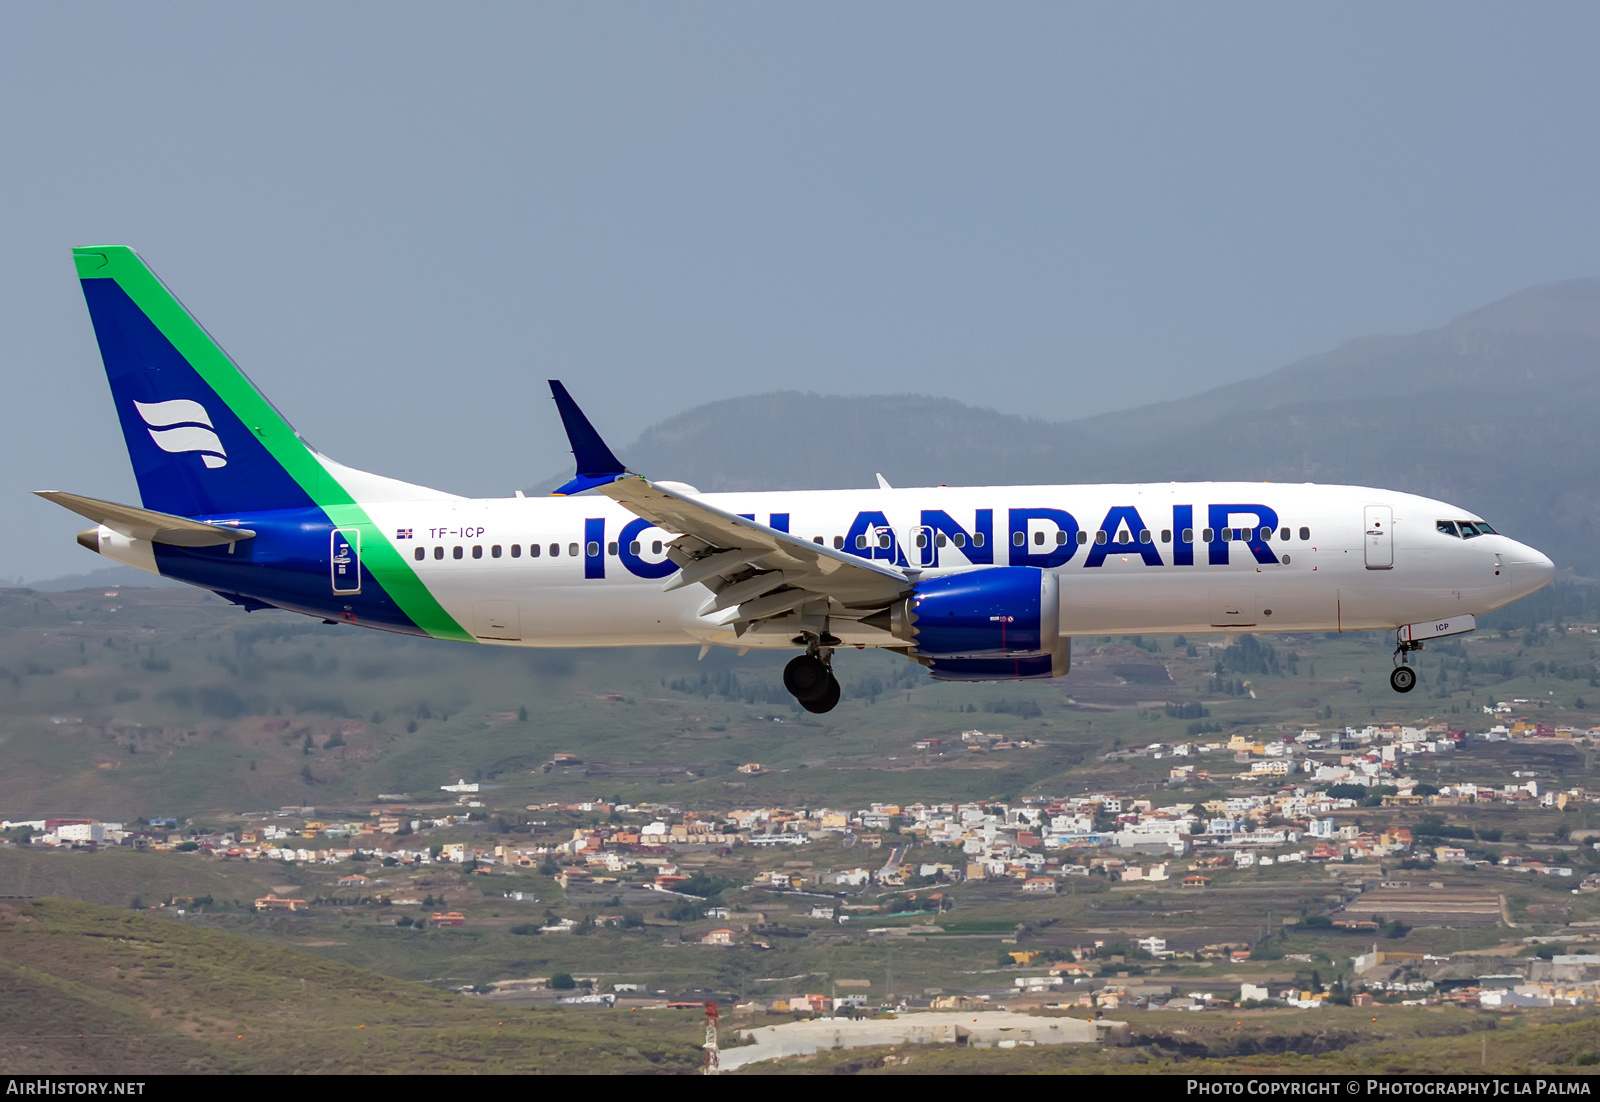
(852, 581)
(754, 572)
(146, 524)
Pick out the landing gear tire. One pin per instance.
(827, 701)
(1403, 679)
(811, 683)
(806, 677)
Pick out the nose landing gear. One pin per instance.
(1402, 679)
(809, 679)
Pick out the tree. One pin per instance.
(563, 981)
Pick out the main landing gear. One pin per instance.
(1402, 679)
(809, 678)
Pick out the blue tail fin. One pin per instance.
(202, 438)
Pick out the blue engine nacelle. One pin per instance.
(1000, 623)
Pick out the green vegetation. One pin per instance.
(92, 989)
(165, 701)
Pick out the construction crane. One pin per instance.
(713, 1053)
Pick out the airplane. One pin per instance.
(981, 583)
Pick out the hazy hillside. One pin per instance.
(1496, 411)
(92, 990)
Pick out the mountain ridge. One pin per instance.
(1494, 411)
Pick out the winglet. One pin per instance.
(597, 464)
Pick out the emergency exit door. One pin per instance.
(345, 558)
(1379, 539)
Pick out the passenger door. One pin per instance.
(1379, 541)
(345, 560)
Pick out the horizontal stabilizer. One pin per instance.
(144, 524)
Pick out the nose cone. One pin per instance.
(1530, 570)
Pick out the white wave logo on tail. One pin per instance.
(183, 426)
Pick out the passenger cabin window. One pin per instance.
(1100, 536)
(1166, 535)
(884, 539)
(1305, 533)
(1207, 535)
(455, 552)
(495, 550)
(1284, 535)
(516, 550)
(594, 549)
(633, 548)
(838, 543)
(939, 540)
(1266, 533)
(922, 539)
(655, 548)
(1083, 537)
(814, 539)
(477, 550)
(1188, 535)
(533, 550)
(1061, 537)
(420, 553)
(960, 539)
(438, 552)
(861, 542)
(611, 548)
(1144, 535)
(555, 550)
(977, 539)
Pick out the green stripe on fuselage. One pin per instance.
(381, 558)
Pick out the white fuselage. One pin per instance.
(1261, 556)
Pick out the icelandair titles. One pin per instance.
(1046, 538)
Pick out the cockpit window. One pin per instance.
(1464, 529)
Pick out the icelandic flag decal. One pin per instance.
(403, 534)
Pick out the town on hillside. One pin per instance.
(1337, 821)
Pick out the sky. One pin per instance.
(401, 219)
